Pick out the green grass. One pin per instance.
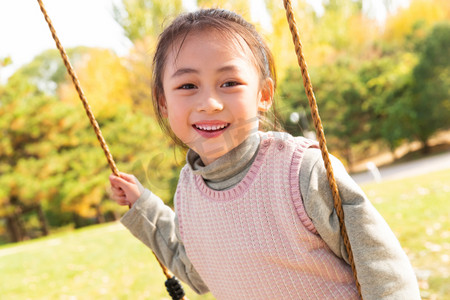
(99, 262)
(418, 211)
(106, 262)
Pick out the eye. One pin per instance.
(187, 86)
(230, 84)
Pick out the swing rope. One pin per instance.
(320, 135)
(80, 92)
(173, 286)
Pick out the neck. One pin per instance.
(228, 169)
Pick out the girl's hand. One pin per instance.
(125, 189)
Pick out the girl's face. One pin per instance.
(213, 93)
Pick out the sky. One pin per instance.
(24, 32)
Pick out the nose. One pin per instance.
(209, 102)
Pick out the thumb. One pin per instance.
(130, 189)
(120, 182)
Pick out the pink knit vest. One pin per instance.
(255, 241)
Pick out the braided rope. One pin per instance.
(80, 92)
(320, 135)
(89, 112)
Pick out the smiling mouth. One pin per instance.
(211, 128)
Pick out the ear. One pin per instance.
(266, 95)
(163, 107)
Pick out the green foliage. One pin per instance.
(239, 6)
(400, 96)
(431, 84)
(46, 71)
(141, 18)
(5, 61)
(410, 91)
(49, 155)
(388, 81)
(370, 85)
(342, 102)
(336, 30)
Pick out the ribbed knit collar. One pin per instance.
(228, 170)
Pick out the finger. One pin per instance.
(116, 197)
(113, 180)
(127, 177)
(117, 191)
(120, 183)
(121, 200)
(123, 203)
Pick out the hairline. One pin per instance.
(237, 41)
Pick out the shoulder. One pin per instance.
(185, 172)
(185, 177)
(303, 154)
(314, 180)
(287, 138)
(313, 167)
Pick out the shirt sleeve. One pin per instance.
(156, 225)
(383, 269)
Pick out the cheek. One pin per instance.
(177, 116)
(247, 107)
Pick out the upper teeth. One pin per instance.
(210, 127)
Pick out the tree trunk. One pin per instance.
(14, 230)
(76, 220)
(23, 230)
(99, 216)
(425, 147)
(42, 220)
(349, 157)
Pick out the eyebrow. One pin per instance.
(228, 68)
(183, 71)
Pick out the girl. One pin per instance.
(254, 215)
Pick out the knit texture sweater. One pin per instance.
(259, 230)
(384, 270)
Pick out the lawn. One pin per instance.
(418, 211)
(98, 262)
(106, 262)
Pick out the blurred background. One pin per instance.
(380, 72)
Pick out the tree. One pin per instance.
(5, 61)
(430, 98)
(342, 102)
(139, 67)
(46, 71)
(241, 7)
(412, 23)
(141, 18)
(25, 116)
(388, 82)
(105, 81)
(50, 158)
